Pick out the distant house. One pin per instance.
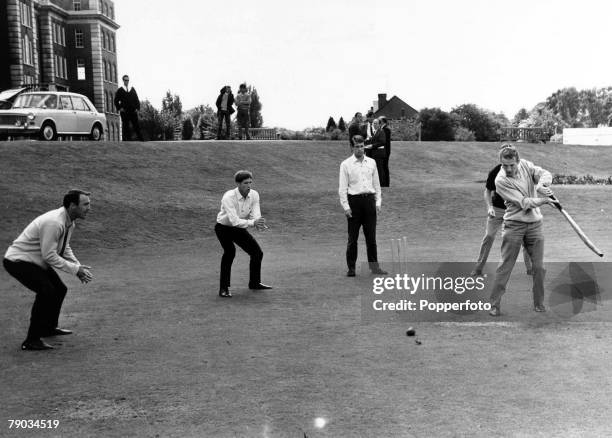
(393, 109)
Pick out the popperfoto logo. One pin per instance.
(431, 291)
(420, 286)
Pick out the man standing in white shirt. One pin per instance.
(239, 211)
(42, 247)
(361, 199)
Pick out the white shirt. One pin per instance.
(41, 242)
(357, 177)
(238, 211)
(128, 88)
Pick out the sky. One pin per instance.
(310, 60)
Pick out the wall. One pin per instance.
(588, 136)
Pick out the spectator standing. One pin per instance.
(225, 108)
(243, 103)
(128, 105)
(385, 127)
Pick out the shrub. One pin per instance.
(464, 134)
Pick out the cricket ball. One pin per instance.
(410, 332)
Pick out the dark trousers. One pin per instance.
(130, 118)
(244, 120)
(50, 292)
(221, 116)
(363, 210)
(240, 236)
(382, 173)
(387, 181)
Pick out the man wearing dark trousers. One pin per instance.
(239, 211)
(128, 105)
(42, 247)
(225, 108)
(360, 197)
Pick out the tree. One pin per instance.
(331, 124)
(149, 121)
(256, 117)
(482, 123)
(566, 104)
(436, 125)
(341, 124)
(172, 104)
(519, 117)
(187, 129)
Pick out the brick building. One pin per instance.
(393, 109)
(62, 45)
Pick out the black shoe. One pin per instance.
(56, 332)
(351, 272)
(224, 292)
(259, 286)
(36, 344)
(495, 311)
(379, 271)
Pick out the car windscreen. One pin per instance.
(36, 101)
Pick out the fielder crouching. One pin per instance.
(239, 211)
(519, 182)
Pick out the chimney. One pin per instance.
(382, 100)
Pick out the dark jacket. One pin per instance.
(230, 101)
(127, 100)
(387, 140)
(378, 141)
(354, 129)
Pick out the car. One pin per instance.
(7, 97)
(49, 114)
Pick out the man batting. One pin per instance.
(519, 183)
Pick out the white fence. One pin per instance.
(588, 136)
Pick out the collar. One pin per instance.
(128, 88)
(239, 195)
(356, 160)
(67, 221)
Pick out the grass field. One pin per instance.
(157, 353)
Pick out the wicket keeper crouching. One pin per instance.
(519, 182)
(240, 210)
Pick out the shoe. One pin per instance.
(476, 273)
(36, 344)
(540, 308)
(495, 311)
(56, 332)
(379, 271)
(529, 272)
(350, 273)
(259, 286)
(224, 292)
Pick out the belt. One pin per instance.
(361, 195)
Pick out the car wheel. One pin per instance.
(47, 132)
(96, 133)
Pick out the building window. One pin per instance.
(81, 69)
(76, 5)
(113, 43)
(28, 51)
(104, 9)
(78, 38)
(59, 34)
(26, 14)
(61, 68)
